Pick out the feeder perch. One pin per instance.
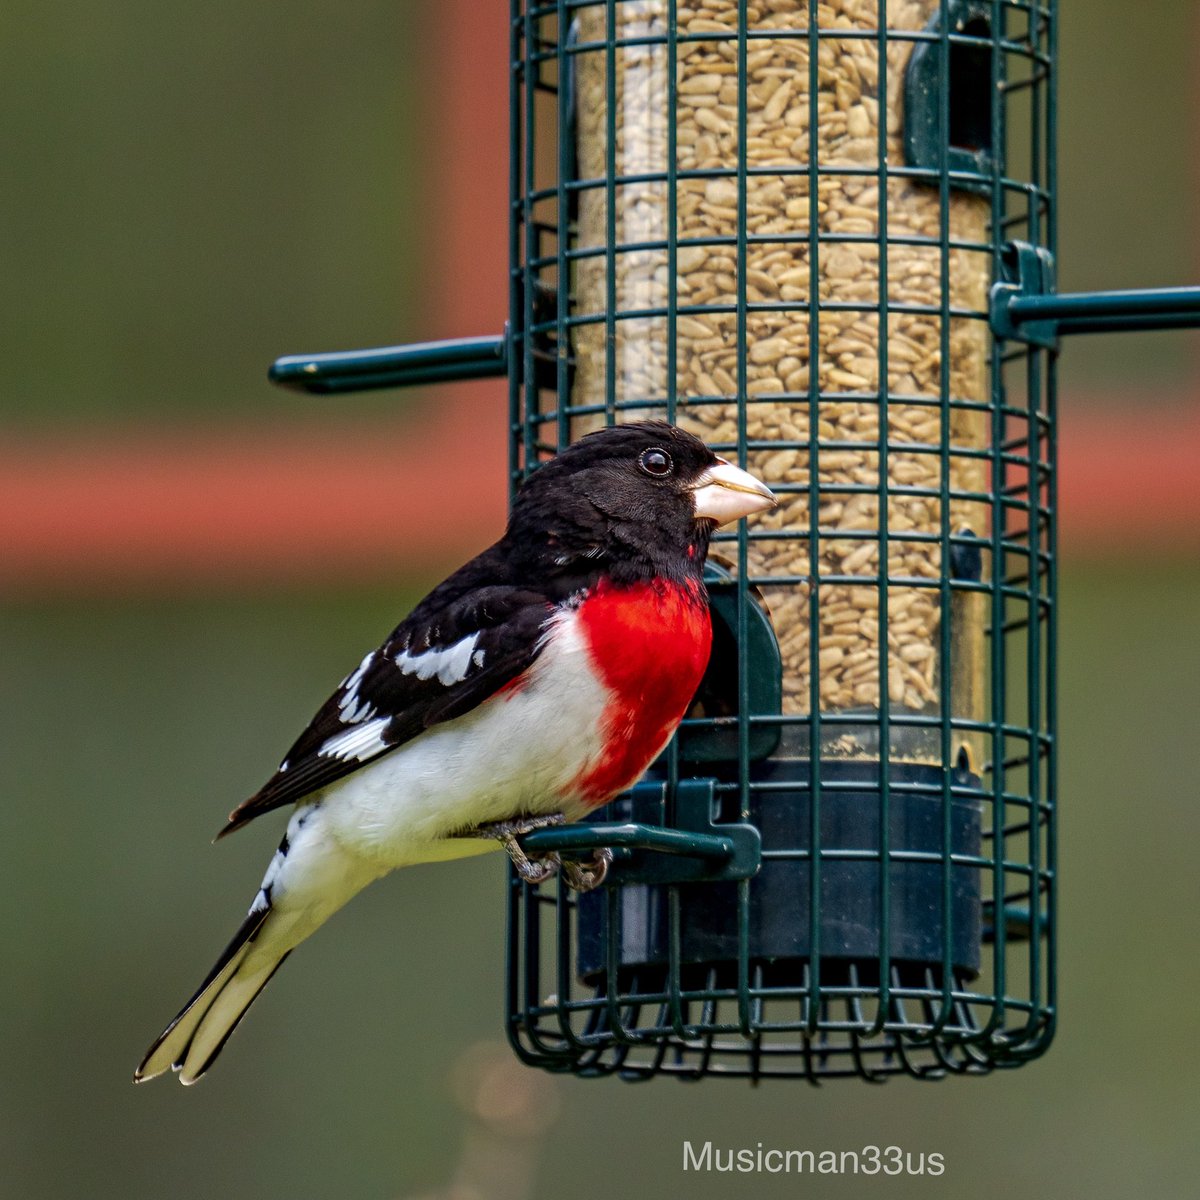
(821, 237)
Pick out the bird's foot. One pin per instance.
(585, 877)
(537, 868)
(532, 869)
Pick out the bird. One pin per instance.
(533, 685)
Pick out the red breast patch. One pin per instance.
(649, 645)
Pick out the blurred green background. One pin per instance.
(189, 191)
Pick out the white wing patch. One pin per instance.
(450, 664)
(353, 709)
(364, 739)
(361, 742)
(477, 768)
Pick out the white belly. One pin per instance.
(519, 752)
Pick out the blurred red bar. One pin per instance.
(1129, 480)
(226, 508)
(257, 508)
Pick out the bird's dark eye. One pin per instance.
(656, 462)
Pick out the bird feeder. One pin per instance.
(820, 237)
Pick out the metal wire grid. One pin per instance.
(816, 1017)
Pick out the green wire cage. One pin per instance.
(821, 237)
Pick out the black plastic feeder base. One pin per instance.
(930, 868)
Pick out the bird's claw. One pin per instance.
(532, 869)
(537, 868)
(585, 877)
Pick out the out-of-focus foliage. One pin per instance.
(130, 731)
(1127, 182)
(191, 189)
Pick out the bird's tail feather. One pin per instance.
(195, 1037)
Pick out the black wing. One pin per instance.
(458, 647)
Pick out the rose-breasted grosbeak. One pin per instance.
(533, 685)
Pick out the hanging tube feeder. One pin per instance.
(821, 238)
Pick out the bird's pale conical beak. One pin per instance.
(725, 492)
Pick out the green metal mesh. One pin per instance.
(777, 225)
